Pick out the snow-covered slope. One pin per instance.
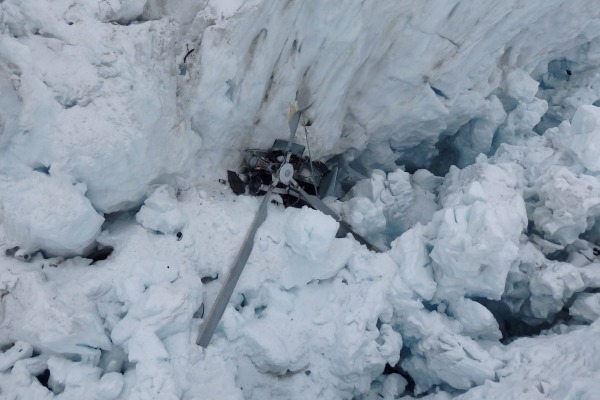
(473, 124)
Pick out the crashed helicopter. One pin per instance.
(283, 175)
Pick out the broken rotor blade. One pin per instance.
(216, 312)
(345, 227)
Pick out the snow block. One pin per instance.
(585, 144)
(475, 238)
(410, 253)
(586, 307)
(161, 212)
(567, 201)
(42, 212)
(309, 232)
(20, 350)
(520, 86)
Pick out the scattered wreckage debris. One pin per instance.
(283, 175)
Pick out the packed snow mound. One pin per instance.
(46, 212)
(543, 368)
(586, 307)
(161, 212)
(384, 206)
(477, 233)
(48, 318)
(585, 127)
(93, 100)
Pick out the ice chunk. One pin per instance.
(586, 136)
(309, 232)
(586, 307)
(161, 212)
(18, 351)
(520, 122)
(162, 310)
(439, 354)
(78, 379)
(520, 86)
(475, 237)
(410, 253)
(49, 213)
(52, 319)
(364, 216)
(566, 201)
(391, 203)
(476, 320)
(477, 135)
(302, 269)
(471, 253)
(275, 353)
(551, 286)
(370, 188)
(393, 385)
(538, 288)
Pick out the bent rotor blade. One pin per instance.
(216, 312)
(345, 227)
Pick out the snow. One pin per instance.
(547, 368)
(586, 128)
(49, 213)
(473, 125)
(161, 212)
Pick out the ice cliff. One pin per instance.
(473, 125)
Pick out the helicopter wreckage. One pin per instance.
(283, 175)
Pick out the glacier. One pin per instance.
(469, 130)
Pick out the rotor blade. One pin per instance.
(345, 227)
(216, 312)
(294, 121)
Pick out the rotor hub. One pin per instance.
(286, 173)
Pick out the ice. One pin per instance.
(384, 206)
(567, 201)
(477, 135)
(476, 320)
(392, 386)
(473, 123)
(119, 154)
(586, 307)
(440, 354)
(162, 310)
(18, 351)
(478, 232)
(49, 213)
(551, 288)
(520, 86)
(585, 126)
(310, 233)
(555, 366)
(59, 322)
(409, 251)
(161, 212)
